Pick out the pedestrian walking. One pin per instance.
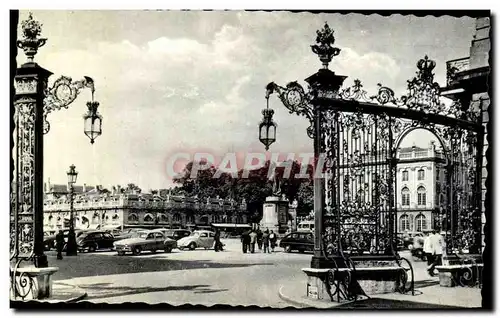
(59, 244)
(217, 242)
(272, 240)
(427, 249)
(438, 246)
(259, 239)
(253, 240)
(265, 241)
(245, 241)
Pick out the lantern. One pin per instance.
(72, 175)
(92, 122)
(267, 128)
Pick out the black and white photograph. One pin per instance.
(270, 159)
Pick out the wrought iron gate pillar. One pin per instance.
(30, 85)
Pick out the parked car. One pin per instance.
(94, 240)
(151, 240)
(128, 233)
(176, 234)
(197, 239)
(298, 241)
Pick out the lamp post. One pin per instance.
(71, 248)
(33, 101)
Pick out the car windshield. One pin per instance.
(195, 234)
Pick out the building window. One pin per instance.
(133, 218)
(420, 223)
(190, 219)
(421, 194)
(404, 223)
(438, 173)
(148, 218)
(405, 197)
(421, 174)
(177, 218)
(405, 175)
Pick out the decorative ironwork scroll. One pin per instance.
(63, 92)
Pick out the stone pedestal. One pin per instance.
(275, 215)
(32, 283)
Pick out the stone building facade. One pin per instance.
(100, 209)
(420, 175)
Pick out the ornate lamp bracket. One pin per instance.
(295, 99)
(62, 93)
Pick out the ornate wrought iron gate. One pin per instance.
(359, 135)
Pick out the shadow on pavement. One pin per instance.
(379, 303)
(98, 265)
(426, 283)
(104, 292)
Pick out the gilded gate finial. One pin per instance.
(325, 50)
(30, 41)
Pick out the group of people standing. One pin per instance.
(434, 248)
(265, 241)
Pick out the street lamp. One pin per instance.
(71, 249)
(267, 127)
(92, 121)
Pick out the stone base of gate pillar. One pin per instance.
(31, 283)
(375, 275)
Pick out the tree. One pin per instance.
(253, 189)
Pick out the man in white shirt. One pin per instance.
(428, 250)
(438, 246)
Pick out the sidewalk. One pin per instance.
(61, 293)
(429, 295)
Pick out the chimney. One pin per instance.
(84, 189)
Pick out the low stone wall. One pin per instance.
(31, 283)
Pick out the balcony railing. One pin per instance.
(455, 66)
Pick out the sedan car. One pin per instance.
(176, 234)
(197, 239)
(94, 240)
(145, 241)
(298, 241)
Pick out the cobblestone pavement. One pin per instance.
(194, 277)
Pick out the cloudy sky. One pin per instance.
(173, 81)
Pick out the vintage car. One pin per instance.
(152, 240)
(298, 241)
(197, 239)
(176, 234)
(92, 241)
(128, 233)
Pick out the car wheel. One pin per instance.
(181, 248)
(192, 246)
(288, 248)
(137, 250)
(410, 247)
(168, 249)
(121, 253)
(92, 248)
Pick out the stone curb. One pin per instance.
(303, 303)
(80, 294)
